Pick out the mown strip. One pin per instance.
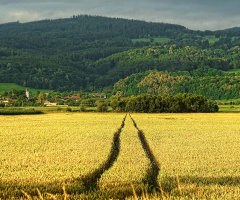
(90, 180)
(151, 176)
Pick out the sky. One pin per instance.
(193, 14)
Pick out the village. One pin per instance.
(21, 98)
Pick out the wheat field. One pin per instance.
(42, 154)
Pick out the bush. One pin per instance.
(102, 107)
(69, 109)
(82, 108)
(88, 102)
(114, 103)
(60, 102)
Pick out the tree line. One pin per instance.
(179, 103)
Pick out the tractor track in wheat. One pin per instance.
(90, 180)
(151, 176)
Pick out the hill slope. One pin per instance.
(62, 72)
(171, 58)
(212, 83)
(80, 33)
(91, 52)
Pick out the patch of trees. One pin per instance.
(179, 103)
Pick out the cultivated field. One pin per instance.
(74, 155)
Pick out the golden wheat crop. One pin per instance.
(131, 164)
(53, 147)
(199, 154)
(201, 149)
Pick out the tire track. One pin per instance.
(90, 180)
(151, 176)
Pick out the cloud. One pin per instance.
(194, 14)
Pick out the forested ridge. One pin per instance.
(212, 83)
(161, 58)
(93, 53)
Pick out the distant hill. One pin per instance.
(233, 29)
(80, 33)
(91, 52)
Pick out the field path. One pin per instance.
(152, 172)
(90, 180)
(131, 164)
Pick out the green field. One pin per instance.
(59, 155)
(53, 109)
(7, 87)
(229, 108)
(156, 39)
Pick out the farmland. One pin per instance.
(198, 155)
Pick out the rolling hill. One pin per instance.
(92, 52)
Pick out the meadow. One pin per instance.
(59, 156)
(7, 87)
(229, 108)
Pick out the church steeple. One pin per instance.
(27, 94)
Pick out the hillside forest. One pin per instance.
(93, 53)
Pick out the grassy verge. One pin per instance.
(69, 109)
(20, 112)
(229, 108)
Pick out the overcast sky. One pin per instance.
(193, 14)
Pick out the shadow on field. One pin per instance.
(109, 190)
(14, 189)
(221, 180)
(72, 189)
